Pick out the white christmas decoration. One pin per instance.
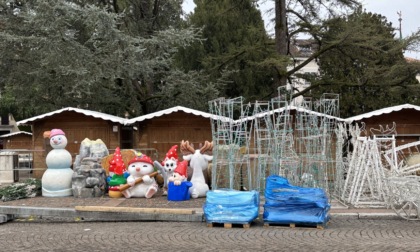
(56, 181)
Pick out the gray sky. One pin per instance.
(410, 15)
(410, 10)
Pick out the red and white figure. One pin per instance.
(180, 173)
(141, 167)
(171, 160)
(168, 166)
(116, 163)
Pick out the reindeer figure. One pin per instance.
(198, 162)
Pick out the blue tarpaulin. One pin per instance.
(231, 206)
(286, 204)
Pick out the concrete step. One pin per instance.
(6, 217)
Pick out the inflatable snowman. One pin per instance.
(141, 167)
(56, 181)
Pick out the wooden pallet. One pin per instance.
(228, 225)
(295, 225)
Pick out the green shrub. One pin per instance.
(28, 189)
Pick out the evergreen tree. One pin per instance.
(296, 18)
(72, 53)
(367, 66)
(233, 49)
(314, 20)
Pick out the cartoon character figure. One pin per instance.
(180, 173)
(198, 162)
(178, 186)
(116, 174)
(141, 167)
(57, 179)
(168, 166)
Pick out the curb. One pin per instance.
(131, 214)
(6, 217)
(382, 216)
(100, 213)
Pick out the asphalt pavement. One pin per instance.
(341, 234)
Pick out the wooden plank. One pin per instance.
(294, 225)
(228, 225)
(134, 210)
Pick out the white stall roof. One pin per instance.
(172, 110)
(95, 114)
(291, 107)
(16, 133)
(381, 112)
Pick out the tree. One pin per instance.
(365, 65)
(62, 53)
(234, 47)
(294, 18)
(311, 20)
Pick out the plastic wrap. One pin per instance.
(285, 203)
(231, 206)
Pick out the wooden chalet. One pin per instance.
(161, 130)
(153, 134)
(405, 118)
(17, 140)
(77, 124)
